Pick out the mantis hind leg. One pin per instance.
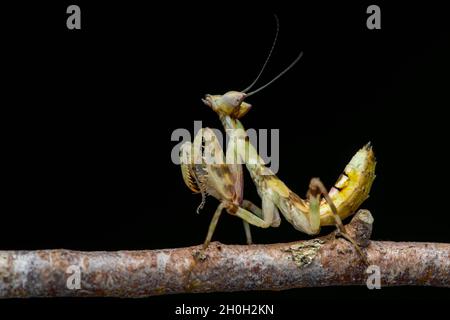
(316, 190)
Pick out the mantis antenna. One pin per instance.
(278, 76)
(268, 57)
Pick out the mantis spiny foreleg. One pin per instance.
(205, 171)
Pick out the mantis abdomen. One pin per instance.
(349, 192)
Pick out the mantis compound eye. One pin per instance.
(233, 98)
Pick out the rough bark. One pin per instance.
(324, 261)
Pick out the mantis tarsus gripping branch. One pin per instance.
(225, 182)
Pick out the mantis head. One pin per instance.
(230, 104)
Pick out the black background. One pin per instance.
(88, 118)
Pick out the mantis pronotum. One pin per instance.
(306, 215)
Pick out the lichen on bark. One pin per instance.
(303, 253)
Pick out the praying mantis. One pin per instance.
(225, 182)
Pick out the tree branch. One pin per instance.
(324, 261)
